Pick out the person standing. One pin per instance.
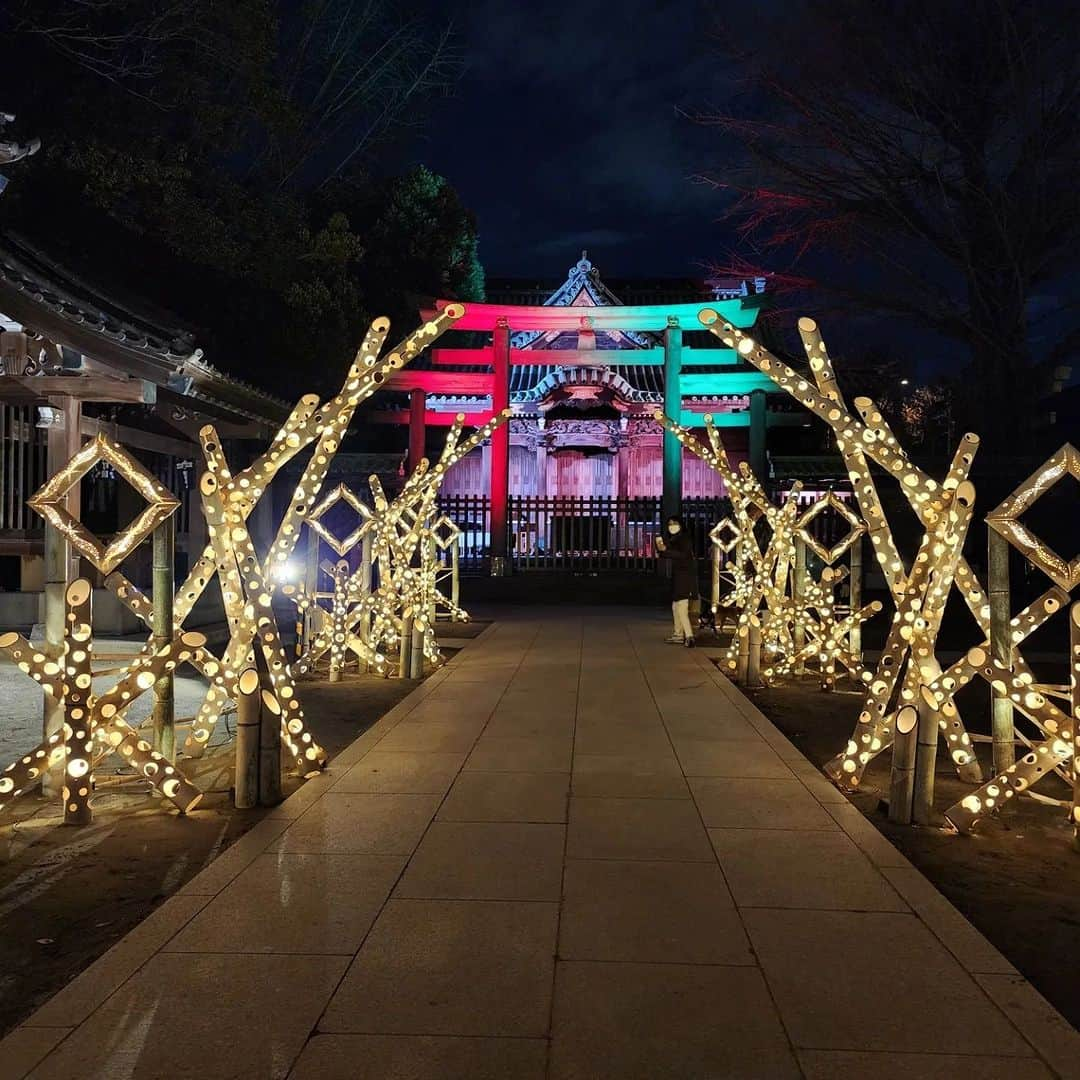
(675, 546)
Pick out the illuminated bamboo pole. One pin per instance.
(405, 648)
(798, 589)
(416, 652)
(164, 719)
(61, 566)
(78, 729)
(248, 723)
(455, 571)
(1001, 648)
(339, 616)
(753, 664)
(902, 776)
(855, 588)
(1074, 650)
(311, 585)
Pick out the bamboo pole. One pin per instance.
(798, 588)
(855, 591)
(163, 588)
(405, 647)
(1001, 709)
(902, 781)
(416, 653)
(928, 731)
(1074, 650)
(248, 723)
(78, 731)
(753, 665)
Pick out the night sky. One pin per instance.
(563, 134)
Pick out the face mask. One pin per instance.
(674, 529)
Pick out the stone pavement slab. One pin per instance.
(574, 852)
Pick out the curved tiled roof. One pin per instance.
(42, 295)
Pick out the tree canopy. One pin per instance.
(226, 162)
(917, 159)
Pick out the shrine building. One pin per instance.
(584, 373)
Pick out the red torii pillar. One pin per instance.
(417, 429)
(499, 480)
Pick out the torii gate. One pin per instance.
(503, 320)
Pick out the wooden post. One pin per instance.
(60, 567)
(163, 589)
(248, 723)
(499, 482)
(902, 785)
(417, 429)
(855, 584)
(1001, 710)
(798, 588)
(671, 500)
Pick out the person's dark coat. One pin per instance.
(680, 552)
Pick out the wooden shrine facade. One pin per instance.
(584, 375)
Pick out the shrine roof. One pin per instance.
(53, 302)
(584, 291)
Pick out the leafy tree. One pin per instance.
(218, 158)
(918, 158)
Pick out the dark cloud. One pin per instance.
(564, 134)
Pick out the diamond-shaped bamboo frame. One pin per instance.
(48, 501)
(830, 555)
(716, 534)
(342, 493)
(1005, 519)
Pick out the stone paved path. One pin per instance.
(575, 852)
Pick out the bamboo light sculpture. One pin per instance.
(232, 499)
(820, 635)
(401, 539)
(1053, 749)
(761, 576)
(94, 726)
(943, 509)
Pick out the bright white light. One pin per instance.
(287, 572)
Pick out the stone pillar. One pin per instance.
(499, 481)
(671, 501)
(61, 567)
(417, 430)
(758, 420)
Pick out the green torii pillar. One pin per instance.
(759, 463)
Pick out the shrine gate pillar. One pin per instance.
(758, 419)
(417, 430)
(499, 481)
(671, 500)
